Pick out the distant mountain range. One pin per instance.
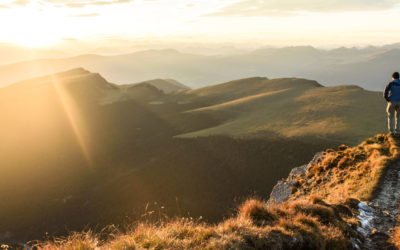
(369, 68)
(77, 150)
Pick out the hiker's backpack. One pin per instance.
(395, 92)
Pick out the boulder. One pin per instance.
(282, 191)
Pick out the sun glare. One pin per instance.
(31, 28)
(34, 35)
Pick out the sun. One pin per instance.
(34, 35)
(31, 28)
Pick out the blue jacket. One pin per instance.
(392, 91)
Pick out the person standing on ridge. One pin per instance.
(392, 96)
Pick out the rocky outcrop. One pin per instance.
(283, 189)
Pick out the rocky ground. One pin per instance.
(379, 216)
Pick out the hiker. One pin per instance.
(392, 96)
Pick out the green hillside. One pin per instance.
(290, 107)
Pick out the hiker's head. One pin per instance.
(396, 75)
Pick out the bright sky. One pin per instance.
(322, 23)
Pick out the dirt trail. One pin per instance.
(380, 215)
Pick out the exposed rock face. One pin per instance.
(283, 189)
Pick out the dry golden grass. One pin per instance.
(302, 224)
(77, 241)
(349, 172)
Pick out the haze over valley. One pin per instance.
(368, 67)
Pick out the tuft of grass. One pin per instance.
(76, 241)
(258, 212)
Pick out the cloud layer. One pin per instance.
(86, 15)
(81, 4)
(289, 7)
(20, 2)
(65, 3)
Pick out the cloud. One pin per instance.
(4, 6)
(21, 2)
(69, 39)
(87, 15)
(84, 3)
(290, 7)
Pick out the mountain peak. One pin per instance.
(166, 85)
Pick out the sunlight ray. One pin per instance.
(72, 114)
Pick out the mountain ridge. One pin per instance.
(331, 67)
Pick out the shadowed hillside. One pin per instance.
(305, 221)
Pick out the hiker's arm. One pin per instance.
(386, 92)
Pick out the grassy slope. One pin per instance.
(134, 158)
(306, 222)
(290, 107)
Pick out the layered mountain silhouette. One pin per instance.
(77, 150)
(369, 67)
